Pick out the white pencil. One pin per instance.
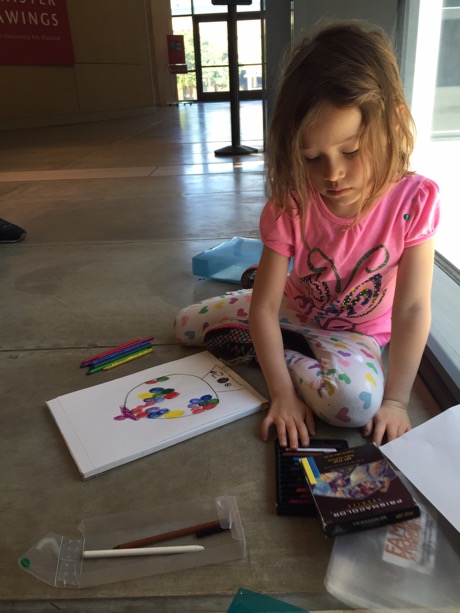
(313, 449)
(141, 551)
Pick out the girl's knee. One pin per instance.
(192, 322)
(341, 399)
(183, 327)
(347, 408)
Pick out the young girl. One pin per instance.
(359, 228)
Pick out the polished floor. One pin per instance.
(115, 211)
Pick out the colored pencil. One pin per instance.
(308, 471)
(84, 363)
(166, 536)
(142, 551)
(291, 451)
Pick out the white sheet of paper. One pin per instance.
(429, 456)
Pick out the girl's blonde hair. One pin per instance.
(345, 64)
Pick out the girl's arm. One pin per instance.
(411, 319)
(292, 418)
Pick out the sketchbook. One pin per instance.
(113, 423)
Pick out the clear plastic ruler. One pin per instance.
(70, 561)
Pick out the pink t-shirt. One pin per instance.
(345, 280)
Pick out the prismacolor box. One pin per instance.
(356, 489)
(293, 496)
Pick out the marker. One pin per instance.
(118, 354)
(116, 362)
(115, 349)
(139, 354)
(141, 551)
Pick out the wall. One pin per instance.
(277, 45)
(160, 24)
(120, 66)
(121, 58)
(384, 14)
(388, 14)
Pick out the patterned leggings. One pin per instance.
(339, 374)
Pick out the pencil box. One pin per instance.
(59, 561)
(293, 496)
(228, 261)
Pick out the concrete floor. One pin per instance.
(115, 211)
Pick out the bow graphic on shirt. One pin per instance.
(325, 299)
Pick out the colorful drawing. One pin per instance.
(176, 395)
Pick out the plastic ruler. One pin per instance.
(70, 561)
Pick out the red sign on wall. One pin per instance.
(35, 32)
(176, 49)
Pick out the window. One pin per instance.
(431, 59)
(436, 109)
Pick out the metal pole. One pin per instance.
(235, 148)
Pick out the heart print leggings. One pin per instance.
(341, 379)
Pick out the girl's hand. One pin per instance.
(391, 420)
(293, 420)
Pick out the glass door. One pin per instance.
(211, 56)
(250, 58)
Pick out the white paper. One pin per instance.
(112, 423)
(429, 456)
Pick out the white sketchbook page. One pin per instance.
(99, 437)
(429, 456)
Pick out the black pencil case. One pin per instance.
(292, 493)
